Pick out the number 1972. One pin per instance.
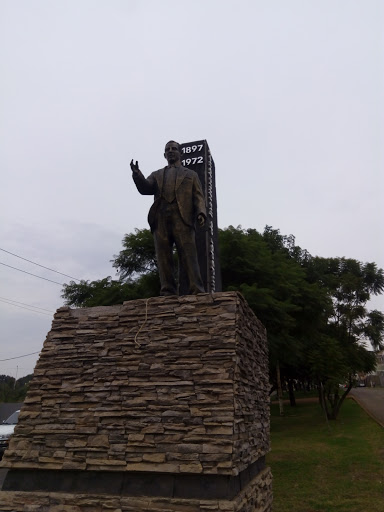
(197, 160)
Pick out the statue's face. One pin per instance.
(172, 152)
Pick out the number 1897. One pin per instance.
(192, 149)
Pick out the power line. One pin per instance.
(29, 273)
(47, 268)
(28, 309)
(19, 367)
(19, 357)
(23, 303)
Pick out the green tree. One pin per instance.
(341, 351)
(350, 284)
(313, 308)
(12, 390)
(267, 269)
(138, 256)
(373, 329)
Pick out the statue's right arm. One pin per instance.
(146, 186)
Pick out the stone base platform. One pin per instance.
(153, 405)
(256, 497)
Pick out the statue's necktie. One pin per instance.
(169, 184)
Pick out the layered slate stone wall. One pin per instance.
(169, 395)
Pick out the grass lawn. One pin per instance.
(326, 467)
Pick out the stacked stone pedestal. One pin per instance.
(153, 405)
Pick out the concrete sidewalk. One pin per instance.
(372, 401)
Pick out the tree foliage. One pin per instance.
(274, 284)
(314, 309)
(12, 390)
(138, 256)
(349, 284)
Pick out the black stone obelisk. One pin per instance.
(197, 156)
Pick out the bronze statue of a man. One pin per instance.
(179, 203)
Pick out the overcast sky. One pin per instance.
(289, 95)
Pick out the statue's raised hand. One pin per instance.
(135, 167)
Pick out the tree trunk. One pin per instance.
(292, 399)
(337, 406)
(323, 401)
(333, 399)
(279, 389)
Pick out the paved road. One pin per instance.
(372, 400)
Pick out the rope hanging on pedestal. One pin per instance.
(145, 321)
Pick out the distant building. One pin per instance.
(380, 368)
(376, 378)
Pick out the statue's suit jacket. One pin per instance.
(188, 192)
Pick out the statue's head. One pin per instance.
(172, 152)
